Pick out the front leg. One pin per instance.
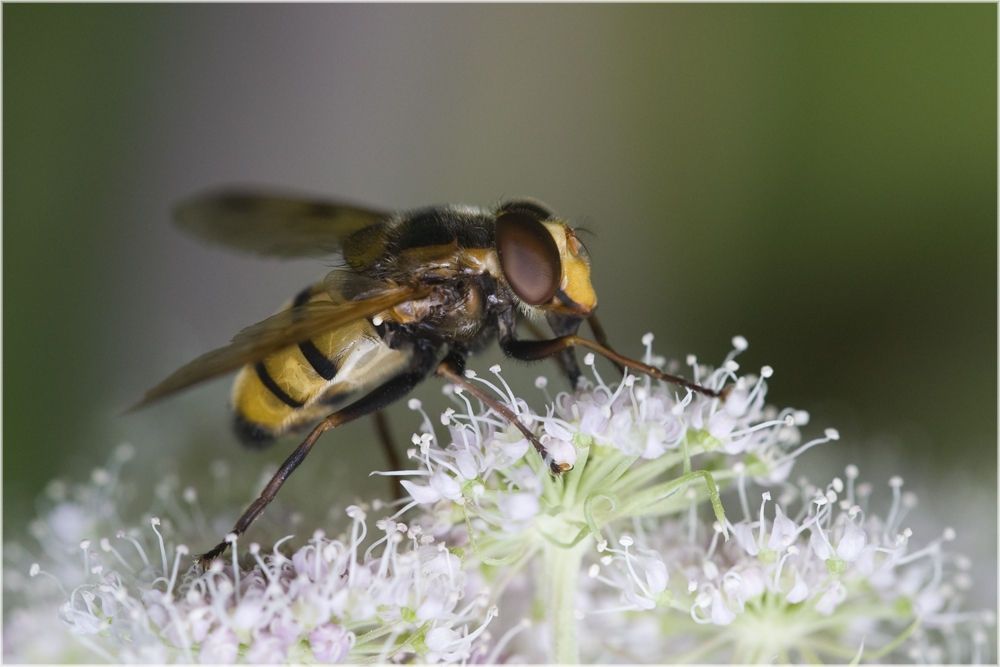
(562, 325)
(601, 337)
(532, 350)
(567, 360)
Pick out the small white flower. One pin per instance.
(220, 646)
(512, 443)
(446, 486)
(562, 452)
(834, 595)
(517, 509)
(852, 542)
(423, 494)
(267, 649)
(799, 592)
(783, 531)
(744, 534)
(593, 418)
(638, 509)
(330, 643)
(651, 564)
(439, 639)
(721, 614)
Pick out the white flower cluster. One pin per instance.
(403, 594)
(493, 559)
(821, 581)
(624, 444)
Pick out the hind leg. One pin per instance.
(388, 447)
(382, 396)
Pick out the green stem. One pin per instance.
(588, 509)
(509, 558)
(639, 475)
(561, 573)
(596, 471)
(657, 494)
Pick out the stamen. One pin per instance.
(765, 372)
(895, 483)
(716, 531)
(829, 434)
(255, 552)
(741, 489)
(36, 570)
(851, 473)
(163, 551)
(589, 360)
(647, 341)
(692, 361)
(542, 382)
(791, 551)
(106, 547)
(231, 539)
(492, 658)
(179, 551)
(426, 426)
(84, 546)
(760, 539)
(514, 407)
(787, 421)
(495, 369)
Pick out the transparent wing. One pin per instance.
(288, 327)
(274, 225)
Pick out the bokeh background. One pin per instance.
(821, 179)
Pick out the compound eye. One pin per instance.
(529, 257)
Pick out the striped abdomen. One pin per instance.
(301, 383)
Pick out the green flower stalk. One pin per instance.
(631, 555)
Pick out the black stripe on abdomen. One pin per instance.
(319, 361)
(252, 434)
(273, 387)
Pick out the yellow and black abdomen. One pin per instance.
(299, 384)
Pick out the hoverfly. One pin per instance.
(417, 293)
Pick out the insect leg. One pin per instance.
(564, 325)
(385, 438)
(451, 370)
(382, 396)
(532, 350)
(602, 338)
(567, 362)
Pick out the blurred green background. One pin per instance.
(821, 179)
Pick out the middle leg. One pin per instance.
(532, 350)
(451, 370)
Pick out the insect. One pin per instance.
(416, 294)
